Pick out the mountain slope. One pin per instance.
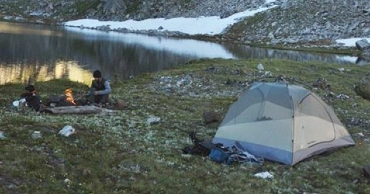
(292, 22)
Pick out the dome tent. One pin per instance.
(283, 123)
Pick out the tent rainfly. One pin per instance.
(283, 123)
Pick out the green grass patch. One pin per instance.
(122, 153)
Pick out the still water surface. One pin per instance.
(48, 52)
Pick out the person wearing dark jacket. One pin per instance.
(33, 101)
(99, 90)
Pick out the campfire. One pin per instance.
(69, 96)
(67, 99)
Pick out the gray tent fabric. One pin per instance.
(283, 123)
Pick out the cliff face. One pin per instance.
(291, 22)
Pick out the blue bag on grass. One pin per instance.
(218, 155)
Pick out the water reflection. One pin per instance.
(11, 28)
(193, 48)
(61, 69)
(247, 52)
(44, 53)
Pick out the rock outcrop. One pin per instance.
(364, 46)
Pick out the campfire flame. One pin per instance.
(69, 96)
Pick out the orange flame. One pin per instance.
(69, 96)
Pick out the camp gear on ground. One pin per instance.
(283, 123)
(199, 147)
(233, 154)
(17, 103)
(219, 155)
(241, 156)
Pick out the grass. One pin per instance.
(121, 153)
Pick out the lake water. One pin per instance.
(50, 52)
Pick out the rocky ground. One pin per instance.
(292, 22)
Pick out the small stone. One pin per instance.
(36, 135)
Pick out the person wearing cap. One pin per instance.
(33, 101)
(99, 90)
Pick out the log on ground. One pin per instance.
(74, 110)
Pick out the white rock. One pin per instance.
(36, 135)
(67, 130)
(2, 135)
(260, 67)
(264, 175)
(153, 120)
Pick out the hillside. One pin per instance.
(290, 22)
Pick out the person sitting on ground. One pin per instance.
(99, 90)
(33, 101)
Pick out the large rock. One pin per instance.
(363, 45)
(119, 104)
(366, 55)
(211, 116)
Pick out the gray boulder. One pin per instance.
(211, 116)
(363, 45)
